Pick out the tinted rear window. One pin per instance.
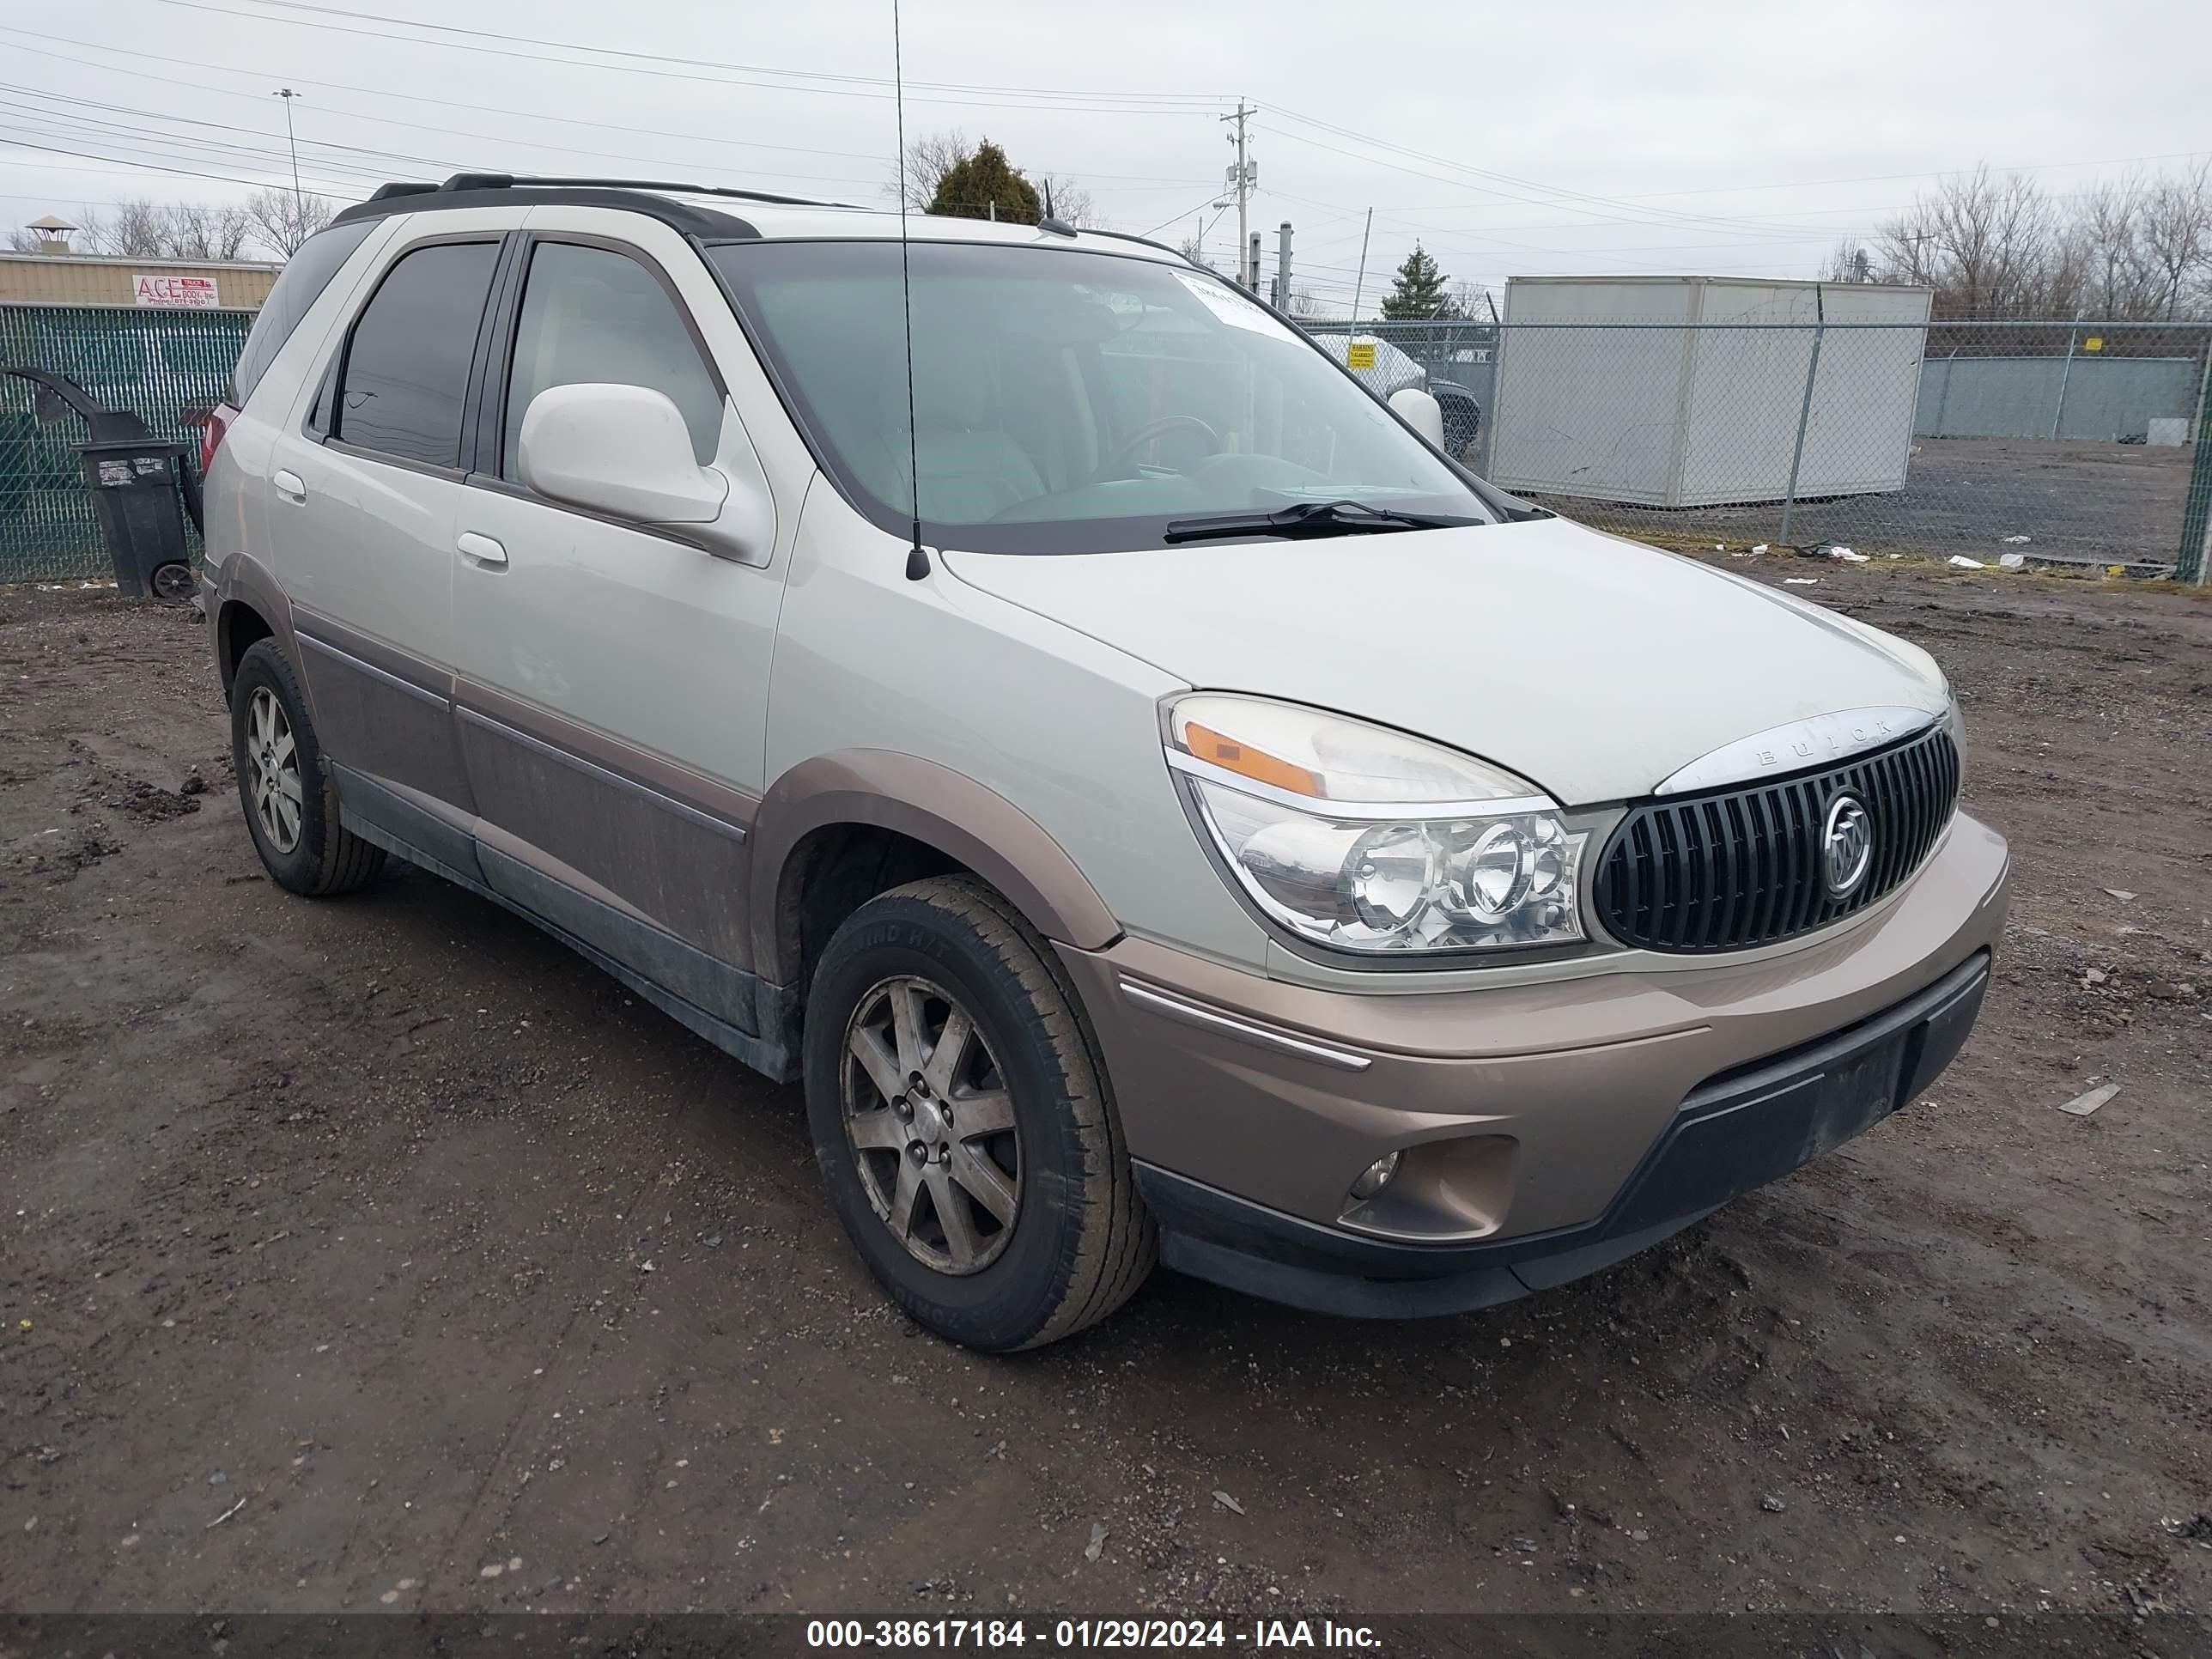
(299, 285)
(406, 374)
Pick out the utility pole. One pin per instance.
(1243, 173)
(1283, 266)
(299, 207)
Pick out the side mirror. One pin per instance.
(621, 450)
(1421, 412)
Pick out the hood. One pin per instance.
(1593, 666)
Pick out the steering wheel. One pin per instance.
(1150, 430)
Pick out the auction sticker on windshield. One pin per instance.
(1232, 307)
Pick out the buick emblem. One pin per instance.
(1846, 847)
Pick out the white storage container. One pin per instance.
(1682, 415)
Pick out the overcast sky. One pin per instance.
(1514, 138)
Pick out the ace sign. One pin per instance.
(175, 293)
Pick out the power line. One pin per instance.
(1022, 100)
(751, 69)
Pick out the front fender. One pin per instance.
(932, 804)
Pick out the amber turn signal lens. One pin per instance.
(1207, 744)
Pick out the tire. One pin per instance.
(1077, 1243)
(323, 857)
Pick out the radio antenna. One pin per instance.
(917, 562)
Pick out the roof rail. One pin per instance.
(511, 180)
(1130, 236)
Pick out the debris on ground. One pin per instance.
(2019, 539)
(1801, 581)
(2120, 893)
(1773, 1504)
(1097, 1541)
(2083, 1105)
(1849, 555)
(2012, 562)
(1228, 1503)
(1966, 563)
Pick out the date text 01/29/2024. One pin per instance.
(1076, 1633)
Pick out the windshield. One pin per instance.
(1066, 402)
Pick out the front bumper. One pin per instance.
(1548, 1129)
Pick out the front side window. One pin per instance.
(406, 374)
(1067, 401)
(592, 315)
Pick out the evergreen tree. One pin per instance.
(1419, 293)
(986, 187)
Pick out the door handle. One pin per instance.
(290, 485)
(481, 548)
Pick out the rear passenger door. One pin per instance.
(613, 677)
(363, 495)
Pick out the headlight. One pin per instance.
(1368, 840)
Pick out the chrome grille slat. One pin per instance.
(1732, 869)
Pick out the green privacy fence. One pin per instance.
(153, 363)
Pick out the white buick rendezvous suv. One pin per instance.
(1162, 808)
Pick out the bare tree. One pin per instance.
(1470, 300)
(2107, 232)
(204, 230)
(1066, 200)
(2136, 247)
(2176, 228)
(142, 229)
(1194, 251)
(134, 230)
(24, 241)
(928, 158)
(280, 220)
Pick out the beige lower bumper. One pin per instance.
(1522, 1108)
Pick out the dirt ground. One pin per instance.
(381, 1253)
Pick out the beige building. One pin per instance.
(67, 279)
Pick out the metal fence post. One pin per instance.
(2194, 561)
(2065, 374)
(1804, 411)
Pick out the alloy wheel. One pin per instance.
(272, 760)
(931, 1125)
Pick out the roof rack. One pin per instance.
(548, 181)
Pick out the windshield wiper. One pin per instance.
(1308, 518)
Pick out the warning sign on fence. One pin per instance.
(190, 293)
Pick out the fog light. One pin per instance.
(1375, 1176)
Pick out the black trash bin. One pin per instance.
(141, 485)
(136, 483)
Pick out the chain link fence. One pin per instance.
(2069, 444)
(2063, 444)
(154, 363)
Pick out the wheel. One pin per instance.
(174, 583)
(962, 1126)
(291, 808)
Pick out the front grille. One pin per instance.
(1734, 868)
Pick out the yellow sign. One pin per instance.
(1359, 354)
(2094, 343)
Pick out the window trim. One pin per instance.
(507, 328)
(231, 394)
(336, 439)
